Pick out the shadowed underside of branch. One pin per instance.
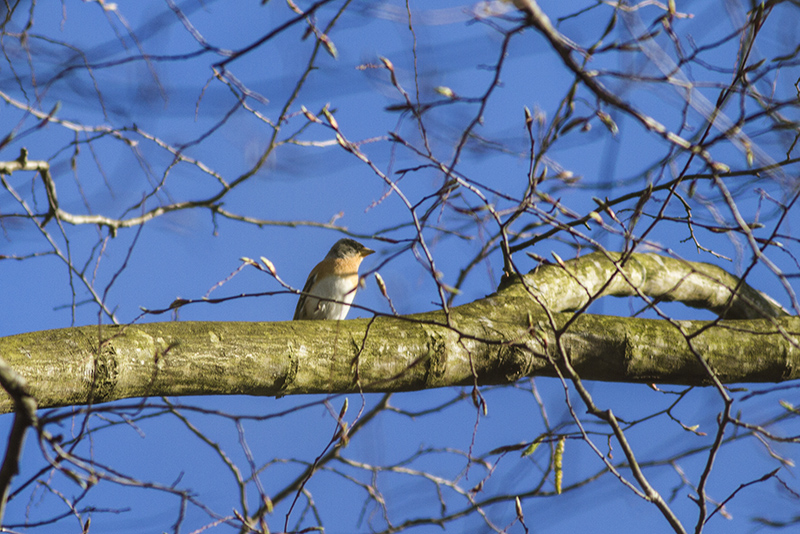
(500, 339)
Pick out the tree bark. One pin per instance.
(499, 339)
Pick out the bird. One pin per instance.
(334, 278)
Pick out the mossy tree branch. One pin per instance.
(499, 339)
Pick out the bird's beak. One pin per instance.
(366, 252)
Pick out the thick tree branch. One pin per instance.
(501, 338)
(699, 285)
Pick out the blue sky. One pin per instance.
(175, 98)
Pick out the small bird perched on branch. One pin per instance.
(334, 278)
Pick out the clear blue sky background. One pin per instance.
(184, 254)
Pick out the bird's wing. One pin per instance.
(301, 302)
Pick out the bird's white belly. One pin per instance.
(331, 287)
